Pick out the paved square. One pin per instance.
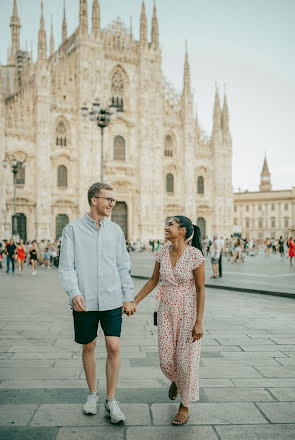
(247, 374)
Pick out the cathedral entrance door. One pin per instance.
(61, 221)
(21, 226)
(202, 225)
(119, 216)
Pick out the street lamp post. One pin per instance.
(15, 167)
(103, 116)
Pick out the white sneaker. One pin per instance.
(112, 409)
(90, 407)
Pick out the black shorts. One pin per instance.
(86, 324)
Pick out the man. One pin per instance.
(221, 246)
(10, 255)
(94, 269)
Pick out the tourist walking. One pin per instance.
(10, 255)
(221, 246)
(237, 251)
(281, 247)
(34, 257)
(94, 269)
(215, 255)
(21, 255)
(180, 314)
(291, 250)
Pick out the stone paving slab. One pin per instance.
(85, 433)
(40, 373)
(31, 383)
(171, 433)
(238, 395)
(210, 414)
(284, 394)
(282, 382)
(278, 412)
(72, 415)
(28, 433)
(259, 432)
(17, 415)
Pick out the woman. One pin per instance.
(215, 255)
(291, 249)
(237, 251)
(281, 247)
(47, 258)
(34, 258)
(21, 255)
(181, 308)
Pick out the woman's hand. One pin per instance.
(197, 331)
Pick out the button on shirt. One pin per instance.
(95, 263)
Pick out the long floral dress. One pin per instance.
(177, 314)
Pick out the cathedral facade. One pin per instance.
(158, 160)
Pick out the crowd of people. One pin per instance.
(43, 254)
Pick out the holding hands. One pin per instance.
(129, 308)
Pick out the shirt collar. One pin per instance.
(92, 222)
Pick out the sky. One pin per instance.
(246, 46)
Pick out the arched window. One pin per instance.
(117, 88)
(119, 148)
(20, 175)
(168, 146)
(60, 222)
(200, 185)
(61, 134)
(169, 183)
(62, 176)
(201, 222)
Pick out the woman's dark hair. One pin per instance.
(185, 222)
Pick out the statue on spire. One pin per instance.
(95, 18)
(64, 25)
(155, 28)
(216, 114)
(83, 17)
(15, 31)
(143, 26)
(186, 74)
(42, 48)
(51, 38)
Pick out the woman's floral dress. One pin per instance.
(177, 314)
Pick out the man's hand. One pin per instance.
(129, 308)
(78, 303)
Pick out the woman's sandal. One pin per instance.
(180, 419)
(173, 391)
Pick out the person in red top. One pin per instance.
(291, 249)
(21, 255)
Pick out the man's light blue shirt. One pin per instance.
(95, 263)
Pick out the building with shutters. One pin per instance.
(265, 213)
(157, 159)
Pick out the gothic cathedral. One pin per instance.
(158, 160)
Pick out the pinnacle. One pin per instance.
(15, 9)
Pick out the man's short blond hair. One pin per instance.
(96, 188)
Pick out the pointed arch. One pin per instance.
(119, 148)
(62, 176)
(119, 85)
(169, 183)
(62, 132)
(200, 185)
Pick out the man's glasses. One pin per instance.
(109, 199)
